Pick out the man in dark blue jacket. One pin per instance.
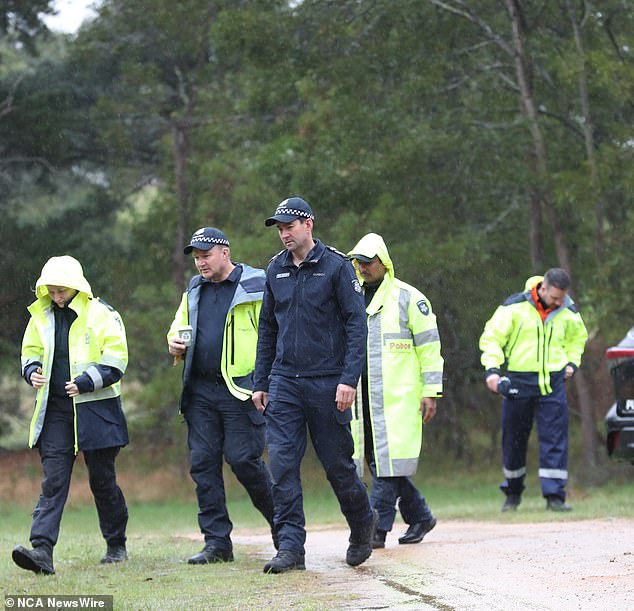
(311, 349)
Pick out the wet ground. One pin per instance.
(561, 565)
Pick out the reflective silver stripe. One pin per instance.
(514, 474)
(356, 427)
(104, 393)
(27, 362)
(388, 336)
(403, 305)
(432, 377)
(93, 373)
(48, 339)
(403, 332)
(79, 368)
(405, 465)
(113, 361)
(375, 385)
(426, 337)
(553, 473)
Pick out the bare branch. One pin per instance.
(7, 104)
(36, 160)
(466, 13)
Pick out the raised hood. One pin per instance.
(372, 245)
(62, 271)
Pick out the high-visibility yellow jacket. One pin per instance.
(534, 353)
(404, 365)
(96, 337)
(240, 336)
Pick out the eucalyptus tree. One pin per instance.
(555, 57)
(165, 101)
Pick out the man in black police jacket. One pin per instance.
(311, 349)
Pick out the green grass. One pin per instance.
(162, 535)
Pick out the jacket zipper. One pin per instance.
(233, 342)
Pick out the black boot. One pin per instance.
(378, 542)
(415, 532)
(115, 553)
(512, 502)
(285, 560)
(39, 559)
(361, 541)
(556, 503)
(211, 554)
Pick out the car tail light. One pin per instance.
(612, 441)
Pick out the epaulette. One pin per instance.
(275, 256)
(338, 252)
(100, 300)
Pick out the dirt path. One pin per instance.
(480, 565)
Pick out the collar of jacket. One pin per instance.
(313, 256)
(381, 295)
(43, 304)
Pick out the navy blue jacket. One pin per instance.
(313, 320)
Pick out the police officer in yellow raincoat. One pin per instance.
(400, 384)
(74, 352)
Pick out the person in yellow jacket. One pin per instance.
(74, 352)
(538, 336)
(400, 383)
(220, 311)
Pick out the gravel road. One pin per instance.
(563, 565)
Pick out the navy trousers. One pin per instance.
(57, 454)
(551, 414)
(221, 425)
(386, 491)
(296, 404)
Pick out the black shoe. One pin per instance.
(285, 560)
(210, 555)
(115, 553)
(415, 532)
(361, 542)
(38, 559)
(556, 503)
(512, 502)
(378, 541)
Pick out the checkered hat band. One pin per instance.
(294, 212)
(202, 238)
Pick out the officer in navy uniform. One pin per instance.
(310, 354)
(222, 306)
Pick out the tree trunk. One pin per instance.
(581, 382)
(588, 133)
(523, 67)
(180, 150)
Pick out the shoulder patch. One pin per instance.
(356, 286)
(423, 306)
(100, 300)
(337, 252)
